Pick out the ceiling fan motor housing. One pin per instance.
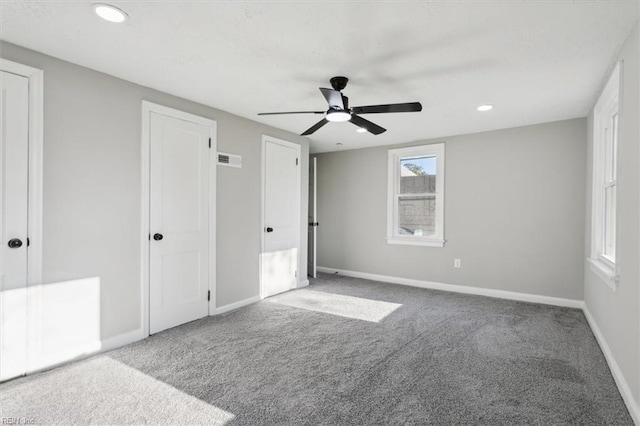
(339, 83)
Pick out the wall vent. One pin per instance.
(229, 160)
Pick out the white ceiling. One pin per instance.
(536, 61)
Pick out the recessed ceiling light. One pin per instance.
(361, 130)
(485, 108)
(109, 13)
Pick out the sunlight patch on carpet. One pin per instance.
(104, 391)
(337, 304)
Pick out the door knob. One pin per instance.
(158, 237)
(269, 229)
(15, 243)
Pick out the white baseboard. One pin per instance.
(122, 339)
(236, 305)
(303, 284)
(500, 294)
(78, 353)
(623, 386)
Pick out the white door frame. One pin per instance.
(314, 218)
(147, 109)
(36, 126)
(263, 184)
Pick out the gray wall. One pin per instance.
(617, 313)
(92, 185)
(514, 212)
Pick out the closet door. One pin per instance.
(281, 216)
(179, 222)
(14, 160)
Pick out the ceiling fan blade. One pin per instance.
(333, 97)
(366, 124)
(291, 112)
(315, 127)
(375, 109)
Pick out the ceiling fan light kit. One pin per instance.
(339, 110)
(338, 116)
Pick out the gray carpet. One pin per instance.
(343, 351)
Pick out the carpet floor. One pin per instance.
(342, 351)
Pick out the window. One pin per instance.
(603, 211)
(415, 211)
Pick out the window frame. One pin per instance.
(606, 116)
(393, 194)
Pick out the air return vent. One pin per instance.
(229, 160)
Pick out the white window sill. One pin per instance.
(605, 272)
(413, 241)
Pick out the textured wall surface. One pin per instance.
(618, 313)
(92, 186)
(514, 212)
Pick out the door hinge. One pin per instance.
(296, 274)
(209, 142)
(149, 237)
(296, 161)
(209, 295)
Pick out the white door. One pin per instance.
(281, 210)
(313, 218)
(14, 150)
(179, 256)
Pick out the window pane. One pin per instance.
(610, 142)
(417, 215)
(609, 240)
(614, 148)
(418, 175)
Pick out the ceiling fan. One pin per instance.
(339, 110)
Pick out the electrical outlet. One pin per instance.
(457, 263)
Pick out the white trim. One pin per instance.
(313, 181)
(236, 305)
(412, 241)
(145, 196)
(122, 340)
(147, 109)
(393, 183)
(303, 284)
(454, 288)
(298, 148)
(611, 88)
(623, 386)
(605, 272)
(36, 131)
(95, 348)
(608, 104)
(213, 239)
